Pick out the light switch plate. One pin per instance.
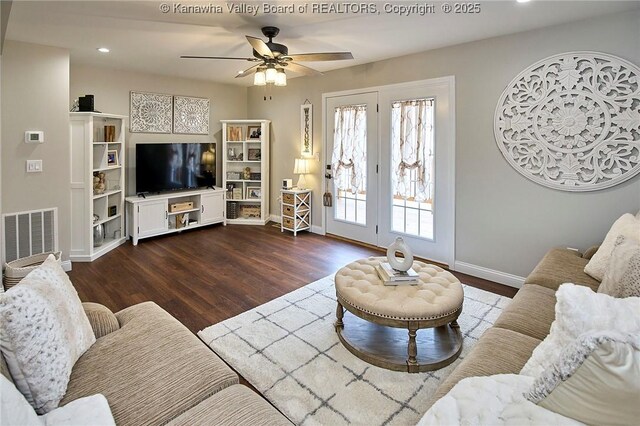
(34, 166)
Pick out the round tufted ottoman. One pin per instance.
(428, 310)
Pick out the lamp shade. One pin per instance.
(208, 158)
(301, 166)
(259, 79)
(270, 74)
(281, 78)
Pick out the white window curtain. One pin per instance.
(412, 149)
(349, 159)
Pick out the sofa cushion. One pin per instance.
(561, 266)
(102, 320)
(150, 370)
(531, 312)
(234, 406)
(499, 351)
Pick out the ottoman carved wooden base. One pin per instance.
(402, 328)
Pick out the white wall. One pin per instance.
(503, 221)
(35, 93)
(111, 89)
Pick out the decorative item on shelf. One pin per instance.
(112, 158)
(86, 104)
(254, 132)
(113, 210)
(151, 112)
(230, 187)
(301, 168)
(250, 211)
(246, 173)
(233, 175)
(253, 154)
(306, 129)
(234, 133)
(237, 193)
(253, 193)
(113, 185)
(190, 115)
(179, 207)
(99, 184)
(255, 176)
(406, 262)
(240, 157)
(109, 133)
(287, 183)
(232, 210)
(231, 154)
(182, 220)
(98, 234)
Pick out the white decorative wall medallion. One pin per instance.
(572, 121)
(150, 112)
(190, 115)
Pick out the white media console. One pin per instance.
(152, 215)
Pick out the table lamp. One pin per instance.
(301, 167)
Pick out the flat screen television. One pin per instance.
(174, 166)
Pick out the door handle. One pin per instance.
(166, 214)
(202, 208)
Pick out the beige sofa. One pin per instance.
(507, 346)
(154, 371)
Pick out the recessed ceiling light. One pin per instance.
(523, 1)
(103, 50)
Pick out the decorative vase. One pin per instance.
(400, 264)
(98, 235)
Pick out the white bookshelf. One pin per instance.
(89, 155)
(238, 153)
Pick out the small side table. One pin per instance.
(295, 210)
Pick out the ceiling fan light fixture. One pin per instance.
(270, 74)
(259, 78)
(281, 78)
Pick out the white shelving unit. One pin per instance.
(89, 155)
(152, 216)
(239, 152)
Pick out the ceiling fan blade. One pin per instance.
(302, 69)
(247, 71)
(260, 46)
(218, 57)
(329, 56)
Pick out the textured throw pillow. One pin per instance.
(44, 332)
(628, 226)
(596, 380)
(622, 278)
(91, 410)
(580, 310)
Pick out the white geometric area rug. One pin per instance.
(289, 351)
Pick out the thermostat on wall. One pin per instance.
(33, 136)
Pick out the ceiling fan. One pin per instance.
(273, 58)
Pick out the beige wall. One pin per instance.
(35, 93)
(503, 221)
(111, 90)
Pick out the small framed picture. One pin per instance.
(254, 193)
(254, 132)
(113, 210)
(254, 154)
(112, 158)
(234, 133)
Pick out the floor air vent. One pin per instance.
(29, 233)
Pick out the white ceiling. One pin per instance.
(142, 38)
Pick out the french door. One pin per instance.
(352, 151)
(391, 154)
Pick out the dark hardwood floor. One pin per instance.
(207, 275)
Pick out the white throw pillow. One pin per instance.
(45, 331)
(596, 380)
(628, 226)
(622, 278)
(580, 310)
(14, 409)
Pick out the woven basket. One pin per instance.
(17, 269)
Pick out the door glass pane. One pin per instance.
(412, 167)
(349, 163)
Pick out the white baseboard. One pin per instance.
(489, 274)
(66, 265)
(315, 229)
